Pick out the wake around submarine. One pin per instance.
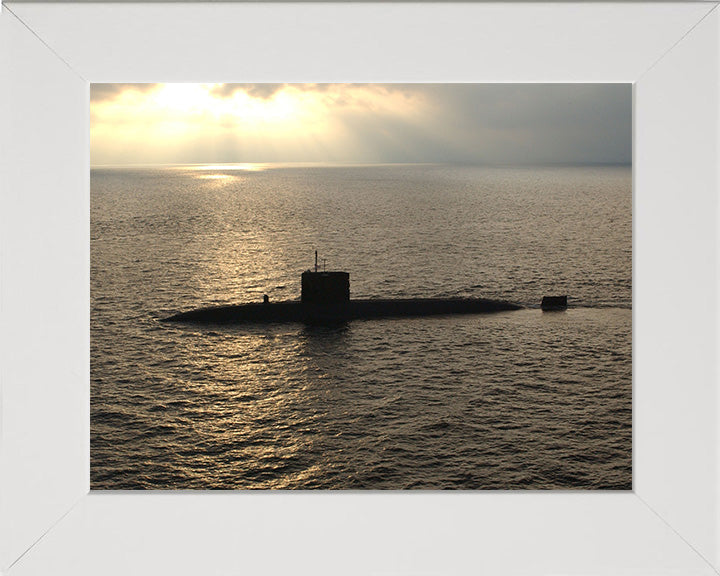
(325, 299)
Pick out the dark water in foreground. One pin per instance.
(505, 401)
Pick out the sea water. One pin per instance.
(513, 400)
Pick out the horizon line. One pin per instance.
(300, 163)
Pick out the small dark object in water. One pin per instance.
(554, 303)
(266, 299)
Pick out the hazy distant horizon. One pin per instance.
(350, 164)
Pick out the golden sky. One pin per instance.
(490, 123)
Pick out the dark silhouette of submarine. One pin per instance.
(325, 299)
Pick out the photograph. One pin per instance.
(361, 286)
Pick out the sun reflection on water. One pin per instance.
(256, 423)
(216, 177)
(222, 172)
(245, 167)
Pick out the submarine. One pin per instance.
(325, 299)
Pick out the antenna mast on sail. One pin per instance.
(316, 261)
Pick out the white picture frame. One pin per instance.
(49, 521)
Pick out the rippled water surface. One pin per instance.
(514, 400)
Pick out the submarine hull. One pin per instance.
(296, 311)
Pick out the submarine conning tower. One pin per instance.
(321, 288)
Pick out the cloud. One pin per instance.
(536, 123)
(267, 91)
(101, 92)
(261, 91)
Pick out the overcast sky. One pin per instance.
(468, 123)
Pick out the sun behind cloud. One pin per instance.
(366, 123)
(165, 123)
